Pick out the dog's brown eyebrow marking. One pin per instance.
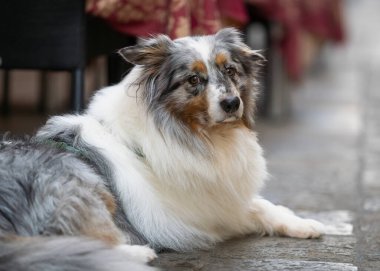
(199, 66)
(220, 59)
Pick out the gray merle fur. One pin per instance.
(94, 159)
(63, 254)
(46, 191)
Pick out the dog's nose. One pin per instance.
(230, 104)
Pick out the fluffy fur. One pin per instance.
(174, 143)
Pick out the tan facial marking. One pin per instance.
(220, 59)
(199, 66)
(193, 114)
(193, 110)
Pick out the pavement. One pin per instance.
(324, 162)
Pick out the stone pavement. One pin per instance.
(324, 162)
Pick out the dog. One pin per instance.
(166, 159)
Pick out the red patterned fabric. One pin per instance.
(176, 18)
(321, 18)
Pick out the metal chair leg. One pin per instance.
(77, 92)
(43, 92)
(5, 108)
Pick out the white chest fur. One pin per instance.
(176, 197)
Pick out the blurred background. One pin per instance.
(54, 54)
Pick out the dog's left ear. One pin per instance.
(254, 55)
(148, 52)
(233, 38)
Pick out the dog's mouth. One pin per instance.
(229, 118)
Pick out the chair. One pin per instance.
(43, 35)
(102, 39)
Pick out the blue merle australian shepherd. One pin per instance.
(168, 158)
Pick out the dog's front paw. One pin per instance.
(279, 220)
(142, 254)
(303, 228)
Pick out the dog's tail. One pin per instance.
(63, 254)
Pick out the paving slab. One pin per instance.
(264, 265)
(267, 253)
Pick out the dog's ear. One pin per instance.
(254, 55)
(233, 39)
(229, 35)
(148, 52)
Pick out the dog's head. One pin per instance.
(201, 82)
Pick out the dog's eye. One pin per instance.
(194, 80)
(230, 71)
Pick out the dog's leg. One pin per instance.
(102, 227)
(273, 219)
